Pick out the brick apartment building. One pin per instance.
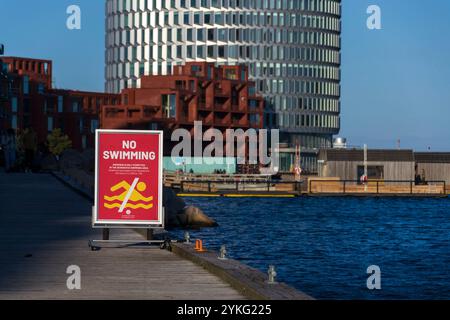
(221, 97)
(28, 99)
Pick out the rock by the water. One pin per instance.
(173, 206)
(178, 215)
(195, 218)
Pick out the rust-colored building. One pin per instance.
(221, 97)
(30, 100)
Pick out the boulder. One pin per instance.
(178, 215)
(173, 205)
(193, 217)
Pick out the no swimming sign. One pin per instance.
(128, 189)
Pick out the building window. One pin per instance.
(75, 107)
(200, 52)
(254, 119)
(50, 124)
(230, 74)
(221, 51)
(60, 104)
(189, 52)
(14, 107)
(14, 121)
(83, 142)
(26, 85)
(190, 35)
(169, 105)
(40, 88)
(373, 172)
(94, 125)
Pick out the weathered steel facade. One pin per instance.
(434, 165)
(347, 164)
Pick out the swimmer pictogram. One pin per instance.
(131, 197)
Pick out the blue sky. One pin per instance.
(395, 81)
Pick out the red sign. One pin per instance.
(128, 186)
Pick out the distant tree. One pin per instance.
(58, 143)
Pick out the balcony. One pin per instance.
(222, 107)
(243, 123)
(203, 106)
(219, 93)
(131, 113)
(237, 109)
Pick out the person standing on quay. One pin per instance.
(9, 148)
(29, 145)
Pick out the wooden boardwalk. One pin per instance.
(45, 227)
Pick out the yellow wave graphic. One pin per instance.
(129, 205)
(121, 198)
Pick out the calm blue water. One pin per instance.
(323, 246)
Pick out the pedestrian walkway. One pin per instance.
(45, 228)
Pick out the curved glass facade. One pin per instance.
(292, 48)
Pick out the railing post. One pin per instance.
(268, 186)
(378, 185)
(209, 186)
(411, 186)
(182, 186)
(345, 182)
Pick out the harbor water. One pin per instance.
(323, 246)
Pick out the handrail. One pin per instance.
(345, 183)
(268, 183)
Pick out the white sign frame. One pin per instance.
(139, 224)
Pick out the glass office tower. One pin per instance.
(292, 48)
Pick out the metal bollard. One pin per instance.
(223, 253)
(187, 237)
(272, 275)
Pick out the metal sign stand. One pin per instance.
(117, 139)
(106, 242)
(96, 245)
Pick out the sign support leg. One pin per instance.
(150, 234)
(106, 234)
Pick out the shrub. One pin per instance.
(58, 143)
